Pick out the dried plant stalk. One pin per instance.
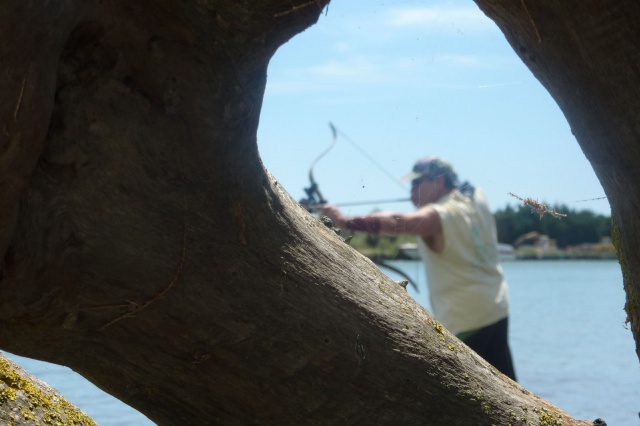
(537, 207)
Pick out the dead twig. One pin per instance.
(537, 207)
(535, 28)
(135, 308)
(17, 108)
(296, 8)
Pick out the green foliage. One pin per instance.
(582, 226)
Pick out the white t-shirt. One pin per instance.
(466, 284)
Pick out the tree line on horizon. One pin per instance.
(579, 226)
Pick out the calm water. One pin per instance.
(567, 333)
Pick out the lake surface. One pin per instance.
(567, 334)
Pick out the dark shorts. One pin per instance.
(491, 343)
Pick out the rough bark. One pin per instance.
(145, 246)
(587, 55)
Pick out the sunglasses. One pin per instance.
(416, 182)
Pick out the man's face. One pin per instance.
(425, 190)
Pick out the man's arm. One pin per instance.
(424, 222)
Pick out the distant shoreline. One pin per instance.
(595, 252)
(568, 257)
(526, 256)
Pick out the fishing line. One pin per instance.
(590, 199)
(365, 203)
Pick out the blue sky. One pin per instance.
(406, 79)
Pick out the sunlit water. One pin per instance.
(567, 335)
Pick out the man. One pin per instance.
(458, 241)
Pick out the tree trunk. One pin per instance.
(145, 246)
(587, 55)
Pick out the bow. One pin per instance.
(315, 198)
